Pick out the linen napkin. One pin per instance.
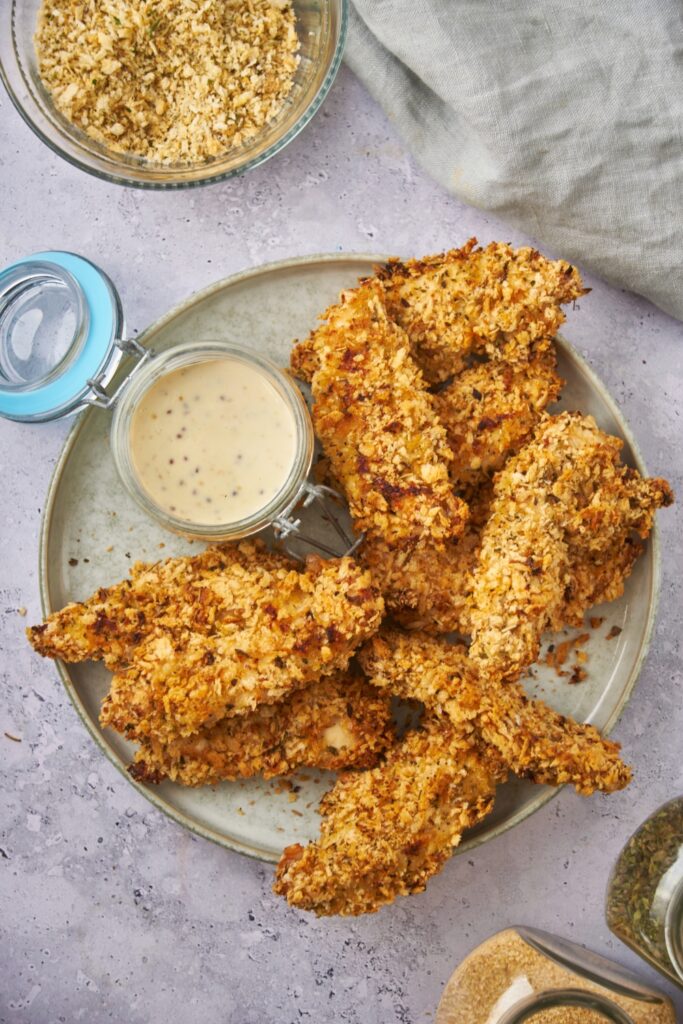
(566, 119)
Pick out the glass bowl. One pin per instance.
(321, 26)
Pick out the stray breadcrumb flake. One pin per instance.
(168, 80)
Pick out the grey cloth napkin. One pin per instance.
(566, 119)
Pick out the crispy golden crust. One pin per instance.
(197, 639)
(533, 740)
(425, 587)
(386, 831)
(497, 300)
(519, 578)
(111, 623)
(596, 579)
(336, 723)
(377, 425)
(304, 358)
(490, 409)
(249, 638)
(564, 505)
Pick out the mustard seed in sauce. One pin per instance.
(237, 436)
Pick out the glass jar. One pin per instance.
(139, 384)
(522, 974)
(61, 343)
(645, 891)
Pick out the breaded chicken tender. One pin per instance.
(561, 505)
(496, 300)
(336, 723)
(533, 741)
(490, 409)
(386, 831)
(376, 421)
(428, 587)
(252, 639)
(111, 623)
(216, 642)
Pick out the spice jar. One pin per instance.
(522, 974)
(645, 891)
(210, 438)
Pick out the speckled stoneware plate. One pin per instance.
(93, 532)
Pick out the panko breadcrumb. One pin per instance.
(427, 587)
(168, 80)
(490, 409)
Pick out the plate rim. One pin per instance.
(545, 794)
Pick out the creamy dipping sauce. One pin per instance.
(214, 442)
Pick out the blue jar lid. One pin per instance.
(60, 321)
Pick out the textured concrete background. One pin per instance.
(110, 911)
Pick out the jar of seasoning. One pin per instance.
(522, 974)
(210, 438)
(645, 891)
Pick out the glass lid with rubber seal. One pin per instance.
(60, 328)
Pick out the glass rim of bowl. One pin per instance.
(190, 353)
(73, 145)
(525, 1010)
(673, 929)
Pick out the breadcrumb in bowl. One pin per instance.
(172, 94)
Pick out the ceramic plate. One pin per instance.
(93, 532)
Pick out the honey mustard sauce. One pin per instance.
(214, 442)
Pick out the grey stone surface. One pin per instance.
(109, 910)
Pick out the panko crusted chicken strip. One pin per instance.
(428, 587)
(490, 409)
(252, 639)
(496, 300)
(336, 723)
(564, 510)
(377, 425)
(386, 831)
(534, 741)
(161, 595)
(195, 640)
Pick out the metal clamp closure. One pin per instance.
(99, 397)
(287, 528)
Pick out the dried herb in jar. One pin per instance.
(644, 883)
